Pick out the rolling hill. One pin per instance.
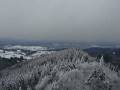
(70, 69)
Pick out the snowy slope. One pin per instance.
(70, 69)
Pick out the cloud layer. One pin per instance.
(79, 20)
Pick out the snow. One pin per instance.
(16, 51)
(12, 54)
(31, 48)
(1, 51)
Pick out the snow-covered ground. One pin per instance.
(31, 48)
(13, 54)
(16, 51)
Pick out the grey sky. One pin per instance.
(79, 20)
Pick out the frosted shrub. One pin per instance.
(42, 84)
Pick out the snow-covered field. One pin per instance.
(31, 48)
(13, 54)
(16, 51)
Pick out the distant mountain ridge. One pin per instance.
(58, 44)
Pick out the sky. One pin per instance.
(62, 20)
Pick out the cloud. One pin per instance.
(80, 20)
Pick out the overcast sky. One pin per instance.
(79, 20)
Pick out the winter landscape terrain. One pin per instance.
(10, 55)
(27, 52)
(68, 69)
(59, 44)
